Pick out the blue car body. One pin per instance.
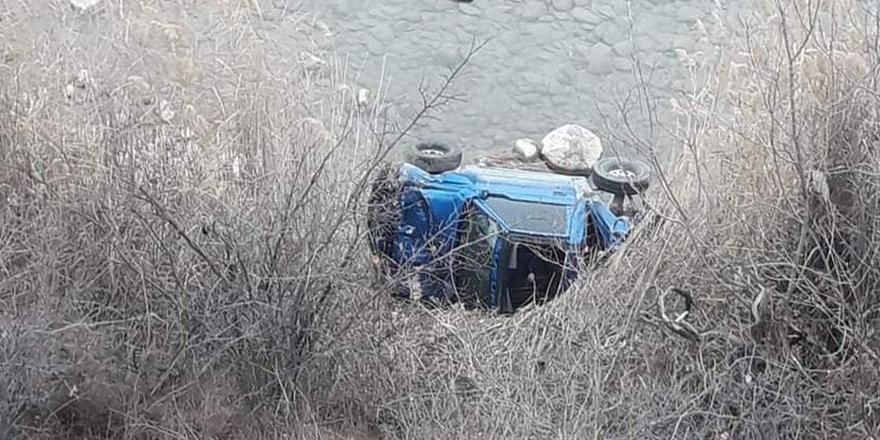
(483, 235)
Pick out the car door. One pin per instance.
(475, 257)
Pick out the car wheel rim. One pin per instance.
(621, 173)
(433, 152)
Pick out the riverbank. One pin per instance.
(182, 247)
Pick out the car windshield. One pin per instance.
(530, 217)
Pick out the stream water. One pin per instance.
(546, 62)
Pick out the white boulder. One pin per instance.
(571, 148)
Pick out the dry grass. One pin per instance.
(202, 275)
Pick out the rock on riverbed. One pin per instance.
(84, 5)
(526, 149)
(571, 148)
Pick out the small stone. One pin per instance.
(469, 9)
(610, 33)
(532, 11)
(166, 113)
(600, 57)
(583, 15)
(83, 5)
(623, 48)
(312, 62)
(563, 5)
(622, 64)
(322, 27)
(606, 11)
(526, 149)
(448, 56)
(69, 90)
(363, 97)
(82, 79)
(383, 33)
(571, 148)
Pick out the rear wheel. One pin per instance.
(434, 157)
(624, 177)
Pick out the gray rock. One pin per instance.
(448, 56)
(526, 149)
(563, 5)
(469, 9)
(583, 15)
(601, 57)
(571, 148)
(622, 64)
(383, 33)
(623, 48)
(610, 33)
(606, 11)
(532, 11)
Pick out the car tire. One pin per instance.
(621, 176)
(434, 157)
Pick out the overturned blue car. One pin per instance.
(493, 237)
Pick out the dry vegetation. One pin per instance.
(182, 255)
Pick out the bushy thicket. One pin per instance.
(182, 256)
(181, 228)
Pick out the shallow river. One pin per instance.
(547, 62)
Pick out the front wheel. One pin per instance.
(434, 157)
(623, 177)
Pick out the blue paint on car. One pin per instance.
(493, 237)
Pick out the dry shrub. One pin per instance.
(181, 244)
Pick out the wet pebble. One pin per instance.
(606, 11)
(622, 64)
(448, 56)
(610, 33)
(623, 48)
(600, 55)
(583, 15)
(469, 9)
(532, 11)
(383, 32)
(563, 5)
